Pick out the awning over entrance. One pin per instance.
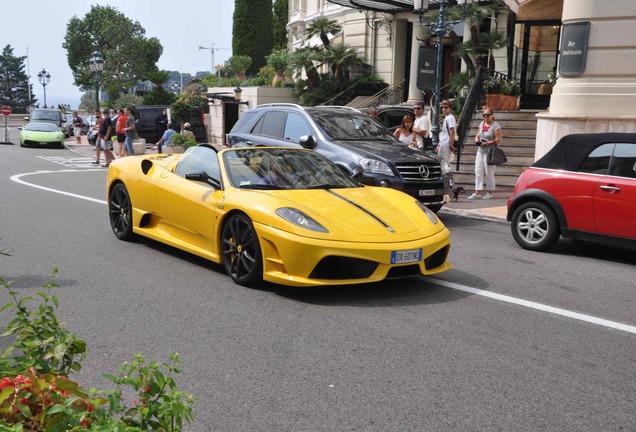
(388, 6)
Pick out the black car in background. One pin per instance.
(352, 140)
(146, 126)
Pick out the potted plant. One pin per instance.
(179, 144)
(279, 61)
(502, 94)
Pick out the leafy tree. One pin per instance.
(280, 18)
(303, 60)
(14, 83)
(128, 54)
(252, 31)
(238, 65)
(323, 27)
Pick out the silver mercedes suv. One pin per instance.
(362, 147)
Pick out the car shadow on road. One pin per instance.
(388, 293)
(418, 290)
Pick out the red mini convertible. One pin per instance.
(584, 188)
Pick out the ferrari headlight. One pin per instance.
(432, 216)
(299, 218)
(375, 166)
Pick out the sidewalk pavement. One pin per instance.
(492, 209)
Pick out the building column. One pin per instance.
(601, 99)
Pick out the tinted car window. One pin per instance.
(597, 162)
(350, 126)
(624, 161)
(271, 124)
(295, 127)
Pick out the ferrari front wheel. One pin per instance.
(120, 212)
(241, 251)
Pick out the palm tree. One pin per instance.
(342, 58)
(303, 59)
(323, 27)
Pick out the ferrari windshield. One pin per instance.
(41, 127)
(283, 168)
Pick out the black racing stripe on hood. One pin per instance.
(384, 224)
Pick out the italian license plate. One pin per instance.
(406, 256)
(427, 192)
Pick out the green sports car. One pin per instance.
(38, 134)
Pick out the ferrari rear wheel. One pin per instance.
(535, 226)
(120, 211)
(241, 251)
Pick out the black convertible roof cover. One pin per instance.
(571, 150)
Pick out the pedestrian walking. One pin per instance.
(121, 133)
(488, 135)
(77, 127)
(446, 146)
(130, 132)
(97, 126)
(104, 139)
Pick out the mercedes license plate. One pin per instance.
(406, 256)
(427, 192)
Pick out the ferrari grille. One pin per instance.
(336, 267)
(419, 171)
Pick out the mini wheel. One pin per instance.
(241, 251)
(535, 226)
(120, 212)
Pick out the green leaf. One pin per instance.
(4, 394)
(7, 306)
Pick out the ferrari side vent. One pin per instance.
(146, 165)
(437, 259)
(336, 267)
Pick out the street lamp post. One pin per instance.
(97, 66)
(44, 77)
(440, 27)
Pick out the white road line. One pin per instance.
(17, 178)
(538, 306)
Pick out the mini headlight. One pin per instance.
(432, 216)
(375, 166)
(299, 218)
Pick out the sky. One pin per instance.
(37, 28)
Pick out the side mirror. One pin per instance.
(26, 118)
(307, 141)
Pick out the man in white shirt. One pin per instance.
(446, 144)
(421, 125)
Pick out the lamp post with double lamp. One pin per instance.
(97, 66)
(44, 77)
(440, 27)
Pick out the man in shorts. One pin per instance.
(104, 139)
(130, 132)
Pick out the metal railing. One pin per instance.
(475, 95)
(391, 95)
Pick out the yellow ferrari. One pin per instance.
(287, 216)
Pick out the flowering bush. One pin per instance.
(37, 395)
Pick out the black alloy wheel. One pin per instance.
(241, 251)
(120, 212)
(535, 226)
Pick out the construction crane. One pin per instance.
(212, 48)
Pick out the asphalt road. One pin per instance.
(508, 340)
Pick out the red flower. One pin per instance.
(6, 382)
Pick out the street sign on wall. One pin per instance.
(426, 65)
(573, 49)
